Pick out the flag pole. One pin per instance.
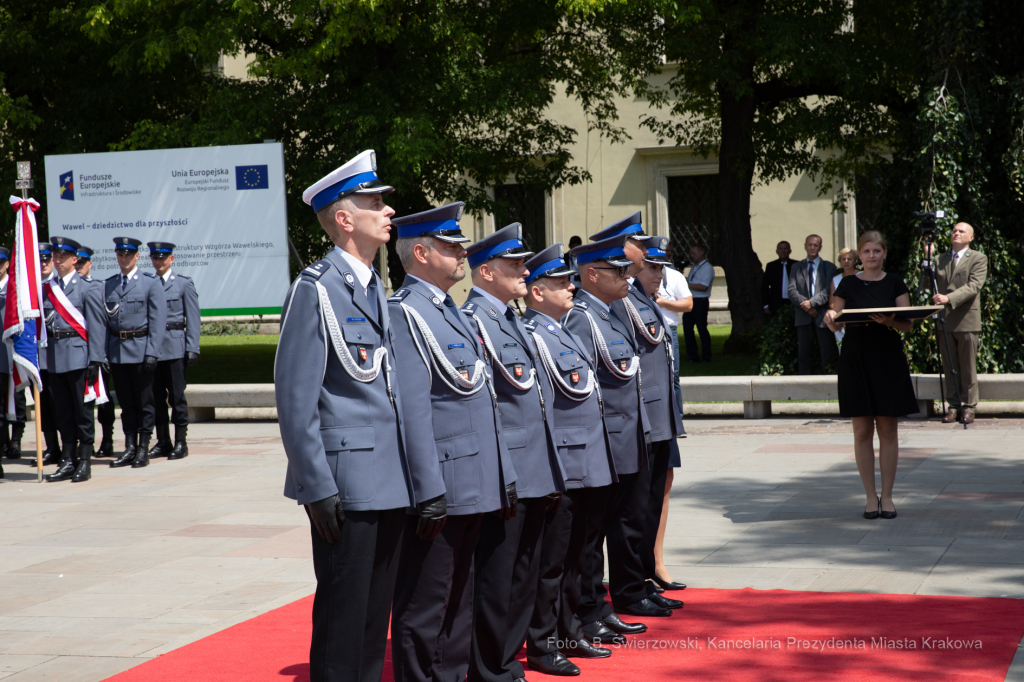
(24, 183)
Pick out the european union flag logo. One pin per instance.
(67, 186)
(251, 177)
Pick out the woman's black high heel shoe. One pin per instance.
(878, 512)
(666, 585)
(886, 514)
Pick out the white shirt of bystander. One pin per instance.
(673, 288)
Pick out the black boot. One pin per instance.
(5, 441)
(52, 453)
(142, 454)
(17, 431)
(131, 440)
(1, 470)
(83, 472)
(67, 465)
(107, 444)
(180, 446)
(163, 445)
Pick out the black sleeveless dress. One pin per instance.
(874, 377)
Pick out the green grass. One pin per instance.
(721, 364)
(235, 360)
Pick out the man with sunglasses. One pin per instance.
(105, 412)
(179, 350)
(604, 267)
(136, 324)
(75, 348)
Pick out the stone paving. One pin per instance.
(100, 576)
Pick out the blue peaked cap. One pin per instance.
(548, 263)
(160, 247)
(656, 251)
(611, 250)
(441, 223)
(44, 249)
(64, 244)
(505, 243)
(85, 252)
(631, 226)
(126, 244)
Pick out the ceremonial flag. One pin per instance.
(24, 329)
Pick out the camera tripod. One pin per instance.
(943, 338)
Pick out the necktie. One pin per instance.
(371, 295)
(60, 283)
(124, 282)
(956, 259)
(810, 275)
(511, 317)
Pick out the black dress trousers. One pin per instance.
(432, 615)
(169, 391)
(135, 395)
(46, 411)
(19, 400)
(603, 501)
(355, 582)
(625, 538)
(659, 452)
(105, 412)
(73, 415)
(525, 575)
(558, 584)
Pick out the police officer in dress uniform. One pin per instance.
(52, 452)
(104, 412)
(659, 398)
(10, 445)
(339, 411)
(180, 349)
(136, 323)
(74, 352)
(583, 447)
(507, 557)
(603, 270)
(442, 367)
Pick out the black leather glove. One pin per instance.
(91, 371)
(149, 364)
(554, 502)
(326, 515)
(106, 365)
(191, 358)
(433, 514)
(506, 513)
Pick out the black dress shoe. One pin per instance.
(658, 589)
(552, 664)
(645, 608)
(665, 584)
(597, 632)
(665, 602)
(583, 649)
(874, 514)
(886, 514)
(615, 624)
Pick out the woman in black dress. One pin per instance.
(875, 388)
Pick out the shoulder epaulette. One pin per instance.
(469, 308)
(149, 274)
(530, 324)
(316, 270)
(582, 305)
(117, 277)
(399, 295)
(184, 277)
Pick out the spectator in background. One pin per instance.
(699, 280)
(809, 287)
(848, 262)
(570, 260)
(775, 285)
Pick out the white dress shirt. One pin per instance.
(502, 307)
(673, 288)
(363, 274)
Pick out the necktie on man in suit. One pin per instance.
(371, 295)
(124, 282)
(810, 276)
(956, 259)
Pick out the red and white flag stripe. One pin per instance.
(66, 309)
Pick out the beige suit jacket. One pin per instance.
(963, 286)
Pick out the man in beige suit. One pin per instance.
(961, 274)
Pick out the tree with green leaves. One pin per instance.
(776, 89)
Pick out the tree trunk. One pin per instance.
(735, 247)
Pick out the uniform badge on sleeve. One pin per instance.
(575, 376)
(362, 353)
(519, 371)
(622, 365)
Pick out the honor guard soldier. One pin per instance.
(180, 349)
(339, 410)
(507, 557)
(451, 414)
(10, 445)
(52, 452)
(75, 329)
(105, 412)
(656, 366)
(603, 270)
(136, 323)
(583, 445)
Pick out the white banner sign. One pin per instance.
(223, 208)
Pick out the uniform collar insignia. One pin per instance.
(436, 301)
(350, 279)
(492, 312)
(551, 328)
(603, 314)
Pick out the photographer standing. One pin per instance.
(960, 274)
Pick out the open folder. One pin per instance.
(918, 312)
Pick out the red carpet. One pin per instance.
(771, 635)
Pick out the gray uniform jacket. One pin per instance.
(73, 352)
(523, 425)
(140, 306)
(799, 291)
(182, 308)
(624, 412)
(579, 432)
(341, 436)
(460, 434)
(655, 364)
(6, 357)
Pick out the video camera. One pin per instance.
(927, 223)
